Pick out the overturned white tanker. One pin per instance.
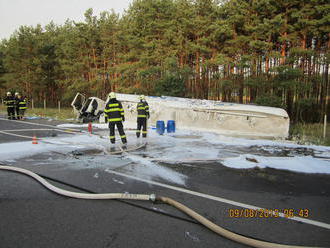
(214, 116)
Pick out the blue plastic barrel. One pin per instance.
(160, 127)
(171, 126)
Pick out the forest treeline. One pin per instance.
(268, 52)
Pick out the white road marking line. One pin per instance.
(18, 135)
(8, 132)
(29, 129)
(37, 129)
(219, 199)
(39, 124)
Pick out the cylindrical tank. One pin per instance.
(171, 126)
(160, 127)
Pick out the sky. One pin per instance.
(15, 13)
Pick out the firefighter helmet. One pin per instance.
(16, 93)
(142, 97)
(112, 95)
(8, 93)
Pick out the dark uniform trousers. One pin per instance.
(21, 114)
(11, 113)
(141, 123)
(17, 107)
(120, 128)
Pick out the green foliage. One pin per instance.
(170, 85)
(308, 110)
(286, 73)
(2, 70)
(271, 101)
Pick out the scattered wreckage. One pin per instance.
(88, 110)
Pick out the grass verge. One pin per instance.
(64, 114)
(311, 133)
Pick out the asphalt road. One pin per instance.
(32, 216)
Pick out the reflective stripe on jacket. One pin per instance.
(142, 109)
(22, 103)
(114, 111)
(10, 101)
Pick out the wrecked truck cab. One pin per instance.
(88, 110)
(78, 102)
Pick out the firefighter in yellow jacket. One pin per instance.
(142, 116)
(114, 115)
(22, 106)
(9, 101)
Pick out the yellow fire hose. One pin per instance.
(210, 225)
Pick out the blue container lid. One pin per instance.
(160, 123)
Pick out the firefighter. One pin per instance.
(22, 105)
(10, 103)
(142, 116)
(114, 114)
(16, 105)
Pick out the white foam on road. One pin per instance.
(209, 146)
(192, 146)
(16, 150)
(148, 170)
(144, 168)
(305, 164)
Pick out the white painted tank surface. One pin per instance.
(215, 116)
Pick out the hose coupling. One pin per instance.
(152, 197)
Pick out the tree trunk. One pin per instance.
(283, 49)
